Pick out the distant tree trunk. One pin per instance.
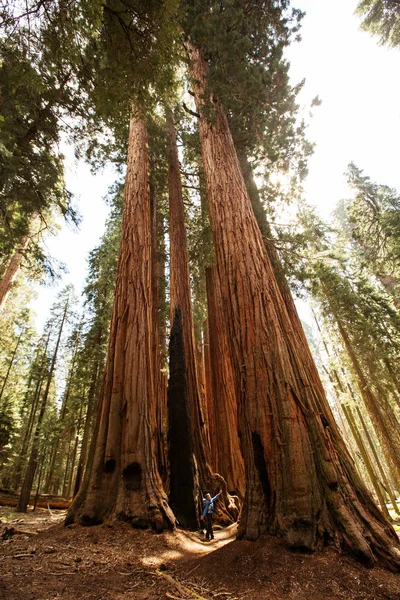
(392, 288)
(27, 431)
(123, 480)
(386, 484)
(186, 422)
(383, 418)
(91, 405)
(160, 377)
(209, 398)
(366, 458)
(12, 270)
(395, 380)
(10, 365)
(67, 491)
(39, 481)
(229, 458)
(300, 479)
(33, 459)
(61, 419)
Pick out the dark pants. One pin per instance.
(209, 531)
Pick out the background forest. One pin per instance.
(190, 108)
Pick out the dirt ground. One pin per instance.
(40, 559)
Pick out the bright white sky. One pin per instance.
(359, 120)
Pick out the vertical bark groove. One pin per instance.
(316, 493)
(127, 421)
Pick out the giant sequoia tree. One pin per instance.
(124, 479)
(300, 479)
(186, 436)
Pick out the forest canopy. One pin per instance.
(186, 367)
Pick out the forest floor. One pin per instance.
(40, 559)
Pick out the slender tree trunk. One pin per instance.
(382, 418)
(63, 412)
(23, 500)
(392, 288)
(39, 481)
(366, 458)
(186, 422)
(395, 380)
(28, 433)
(300, 479)
(3, 387)
(160, 377)
(93, 389)
(230, 461)
(212, 433)
(386, 484)
(11, 271)
(124, 480)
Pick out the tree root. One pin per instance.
(182, 589)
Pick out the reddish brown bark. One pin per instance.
(124, 480)
(189, 436)
(12, 271)
(300, 479)
(209, 398)
(229, 458)
(158, 341)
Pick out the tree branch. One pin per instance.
(191, 112)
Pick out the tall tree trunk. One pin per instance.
(91, 405)
(383, 419)
(10, 365)
(229, 458)
(12, 270)
(300, 479)
(261, 217)
(63, 411)
(211, 427)
(160, 377)
(124, 480)
(366, 458)
(392, 288)
(27, 432)
(187, 432)
(386, 484)
(23, 500)
(68, 488)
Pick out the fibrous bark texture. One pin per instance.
(229, 460)
(124, 480)
(158, 268)
(181, 307)
(12, 271)
(300, 479)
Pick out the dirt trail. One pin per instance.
(116, 562)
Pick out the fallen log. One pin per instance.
(8, 498)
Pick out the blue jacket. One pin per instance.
(209, 506)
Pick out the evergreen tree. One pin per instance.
(381, 18)
(306, 448)
(374, 218)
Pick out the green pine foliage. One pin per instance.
(374, 218)
(381, 18)
(31, 167)
(323, 264)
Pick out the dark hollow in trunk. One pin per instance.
(180, 443)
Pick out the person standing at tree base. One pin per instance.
(207, 515)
